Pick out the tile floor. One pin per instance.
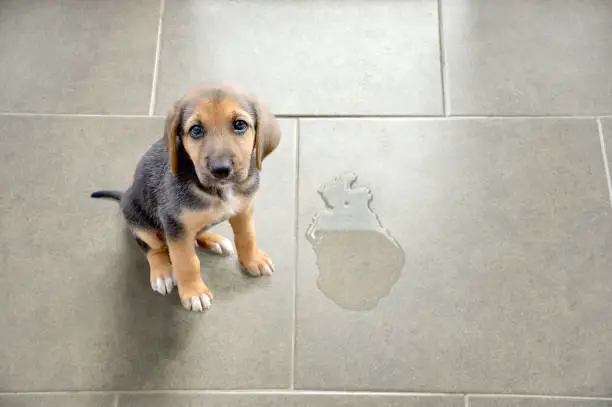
(459, 146)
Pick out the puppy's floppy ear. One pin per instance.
(171, 133)
(267, 132)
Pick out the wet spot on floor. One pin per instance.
(357, 258)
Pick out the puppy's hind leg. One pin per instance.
(215, 243)
(159, 260)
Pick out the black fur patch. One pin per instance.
(173, 228)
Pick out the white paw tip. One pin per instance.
(266, 270)
(216, 248)
(198, 304)
(159, 286)
(253, 272)
(169, 282)
(226, 246)
(205, 300)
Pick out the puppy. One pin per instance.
(204, 171)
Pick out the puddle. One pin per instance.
(358, 259)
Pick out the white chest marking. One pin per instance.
(227, 207)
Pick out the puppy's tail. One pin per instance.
(115, 195)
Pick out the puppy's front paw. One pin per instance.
(195, 297)
(257, 264)
(162, 285)
(215, 243)
(161, 279)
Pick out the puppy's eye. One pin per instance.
(196, 131)
(240, 126)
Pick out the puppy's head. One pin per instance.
(222, 130)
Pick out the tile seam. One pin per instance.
(160, 23)
(443, 60)
(537, 396)
(604, 155)
(254, 392)
(318, 117)
(78, 115)
(118, 393)
(449, 117)
(296, 205)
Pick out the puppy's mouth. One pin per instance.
(208, 179)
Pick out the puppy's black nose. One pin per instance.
(220, 169)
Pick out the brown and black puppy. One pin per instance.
(204, 171)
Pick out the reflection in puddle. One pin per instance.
(358, 260)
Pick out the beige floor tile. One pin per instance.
(528, 57)
(307, 57)
(55, 400)
(488, 401)
(74, 56)
(78, 309)
(499, 280)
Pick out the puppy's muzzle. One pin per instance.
(220, 169)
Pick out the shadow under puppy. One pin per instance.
(204, 171)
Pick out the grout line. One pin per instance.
(442, 51)
(452, 117)
(77, 115)
(307, 117)
(116, 402)
(537, 396)
(162, 7)
(604, 154)
(255, 392)
(285, 392)
(296, 208)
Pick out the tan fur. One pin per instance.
(150, 237)
(263, 136)
(186, 264)
(157, 256)
(217, 118)
(249, 255)
(267, 133)
(195, 221)
(186, 268)
(159, 264)
(170, 136)
(208, 239)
